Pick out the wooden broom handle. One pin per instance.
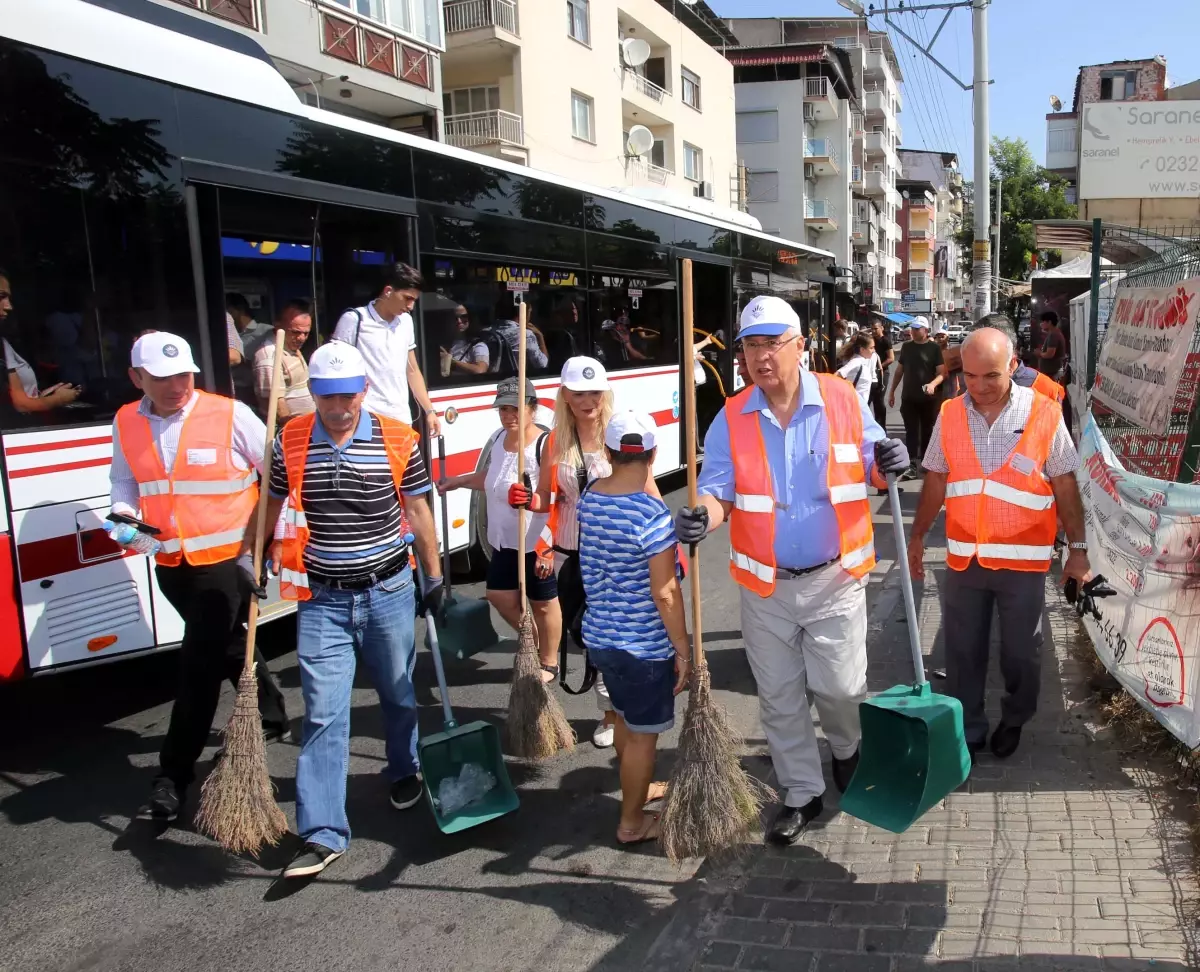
(260, 514)
(689, 411)
(523, 327)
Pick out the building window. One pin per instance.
(691, 88)
(693, 163)
(1118, 85)
(918, 283)
(466, 101)
(757, 126)
(762, 185)
(418, 17)
(577, 21)
(581, 117)
(1062, 140)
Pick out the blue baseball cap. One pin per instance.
(337, 368)
(767, 317)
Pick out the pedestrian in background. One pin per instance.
(187, 462)
(634, 623)
(348, 475)
(1003, 464)
(253, 335)
(296, 399)
(883, 349)
(517, 408)
(922, 369)
(383, 333)
(787, 462)
(861, 366)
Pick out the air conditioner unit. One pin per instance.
(704, 190)
(810, 170)
(810, 111)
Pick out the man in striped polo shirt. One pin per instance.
(347, 475)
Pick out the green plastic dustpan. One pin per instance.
(465, 624)
(913, 750)
(445, 753)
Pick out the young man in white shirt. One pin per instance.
(384, 334)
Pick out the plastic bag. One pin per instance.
(456, 792)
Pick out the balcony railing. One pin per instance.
(244, 13)
(639, 170)
(472, 14)
(865, 274)
(819, 209)
(857, 125)
(816, 88)
(645, 86)
(478, 128)
(368, 43)
(820, 148)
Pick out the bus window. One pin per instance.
(470, 319)
(636, 321)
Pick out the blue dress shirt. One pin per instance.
(806, 528)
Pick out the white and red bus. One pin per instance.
(153, 163)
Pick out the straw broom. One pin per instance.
(237, 801)
(536, 726)
(712, 803)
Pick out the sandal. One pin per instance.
(552, 671)
(656, 792)
(649, 831)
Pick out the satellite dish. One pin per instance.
(635, 51)
(1056, 102)
(640, 140)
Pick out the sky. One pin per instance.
(1036, 49)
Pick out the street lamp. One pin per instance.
(853, 6)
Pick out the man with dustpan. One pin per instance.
(787, 462)
(348, 476)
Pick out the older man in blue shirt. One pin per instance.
(788, 462)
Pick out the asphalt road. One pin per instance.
(543, 889)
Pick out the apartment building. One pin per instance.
(918, 222)
(868, 163)
(560, 90)
(943, 281)
(1109, 146)
(372, 59)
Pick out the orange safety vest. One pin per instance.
(203, 504)
(752, 520)
(398, 438)
(1049, 387)
(545, 542)
(1005, 520)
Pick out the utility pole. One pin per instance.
(981, 262)
(996, 247)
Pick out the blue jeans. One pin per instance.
(378, 622)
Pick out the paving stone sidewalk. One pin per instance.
(1055, 858)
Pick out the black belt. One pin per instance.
(360, 583)
(792, 572)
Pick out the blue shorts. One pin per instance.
(641, 689)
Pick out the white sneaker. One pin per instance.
(602, 738)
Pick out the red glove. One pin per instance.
(520, 495)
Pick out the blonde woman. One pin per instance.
(575, 457)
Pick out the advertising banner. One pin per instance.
(1144, 537)
(1140, 150)
(1145, 348)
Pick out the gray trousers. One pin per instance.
(969, 597)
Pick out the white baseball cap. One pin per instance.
(767, 317)
(582, 374)
(630, 432)
(919, 321)
(163, 354)
(337, 368)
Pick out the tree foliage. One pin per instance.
(1029, 192)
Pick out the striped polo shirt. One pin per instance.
(350, 501)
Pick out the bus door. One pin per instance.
(713, 333)
(290, 250)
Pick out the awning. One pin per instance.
(760, 57)
(899, 318)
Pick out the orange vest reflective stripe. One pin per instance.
(1049, 387)
(752, 520)
(545, 542)
(202, 505)
(398, 438)
(1006, 520)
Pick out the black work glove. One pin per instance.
(432, 589)
(691, 524)
(891, 456)
(257, 585)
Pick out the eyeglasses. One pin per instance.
(770, 346)
(462, 317)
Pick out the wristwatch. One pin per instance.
(1078, 545)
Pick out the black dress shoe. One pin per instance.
(792, 821)
(843, 771)
(1005, 741)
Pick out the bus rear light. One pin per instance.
(12, 650)
(99, 644)
(458, 522)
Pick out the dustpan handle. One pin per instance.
(445, 515)
(436, 650)
(910, 604)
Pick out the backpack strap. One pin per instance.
(358, 319)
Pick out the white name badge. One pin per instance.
(202, 457)
(1023, 464)
(845, 452)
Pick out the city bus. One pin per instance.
(153, 163)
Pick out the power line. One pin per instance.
(917, 100)
(951, 129)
